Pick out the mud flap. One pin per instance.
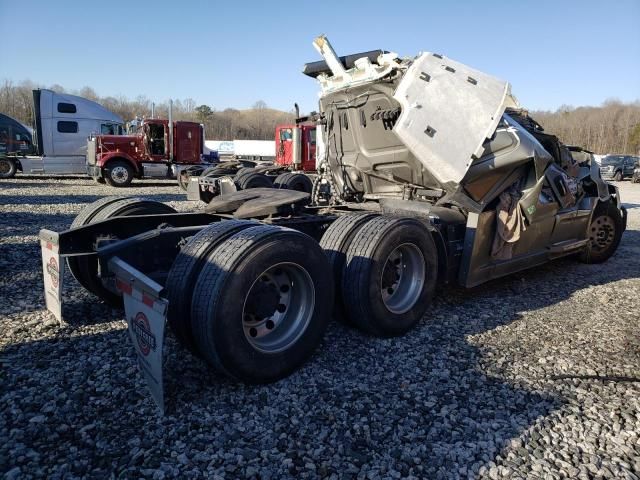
(53, 272)
(146, 314)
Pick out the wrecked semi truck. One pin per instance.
(431, 174)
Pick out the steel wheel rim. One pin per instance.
(119, 174)
(402, 278)
(278, 307)
(5, 167)
(602, 232)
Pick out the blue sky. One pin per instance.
(233, 53)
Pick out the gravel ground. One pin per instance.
(532, 376)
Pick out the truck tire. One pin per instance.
(8, 167)
(211, 171)
(389, 275)
(85, 217)
(294, 181)
(184, 273)
(261, 303)
(605, 233)
(86, 267)
(118, 173)
(253, 180)
(618, 176)
(241, 172)
(335, 242)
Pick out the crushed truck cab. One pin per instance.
(429, 173)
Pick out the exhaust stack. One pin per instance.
(171, 130)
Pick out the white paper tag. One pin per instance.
(53, 272)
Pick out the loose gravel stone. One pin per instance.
(532, 376)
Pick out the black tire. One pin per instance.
(8, 167)
(369, 268)
(618, 176)
(294, 181)
(605, 233)
(184, 273)
(335, 242)
(241, 172)
(118, 173)
(253, 180)
(231, 290)
(85, 217)
(86, 267)
(90, 211)
(210, 171)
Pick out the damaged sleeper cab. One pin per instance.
(429, 173)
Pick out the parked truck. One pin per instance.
(158, 149)
(15, 142)
(434, 175)
(294, 166)
(62, 124)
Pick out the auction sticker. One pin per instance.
(53, 272)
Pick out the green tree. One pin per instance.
(204, 112)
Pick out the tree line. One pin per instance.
(613, 127)
(256, 123)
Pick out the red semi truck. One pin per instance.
(159, 149)
(293, 138)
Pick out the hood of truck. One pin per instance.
(105, 144)
(448, 111)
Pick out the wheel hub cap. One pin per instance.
(278, 307)
(402, 278)
(602, 232)
(119, 174)
(4, 166)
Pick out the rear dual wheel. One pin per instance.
(261, 299)
(294, 181)
(387, 271)
(249, 178)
